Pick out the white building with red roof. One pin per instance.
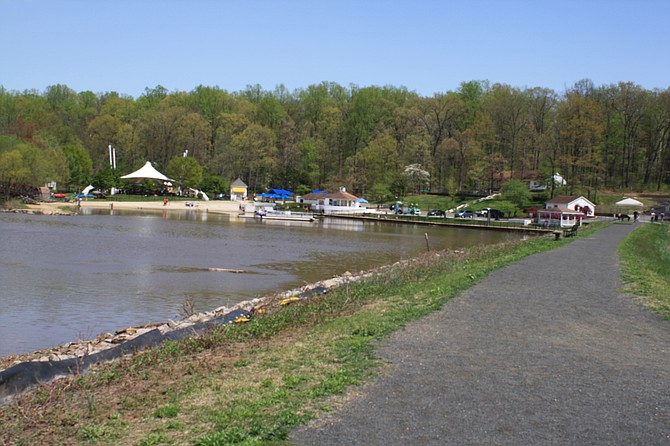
(565, 211)
(573, 203)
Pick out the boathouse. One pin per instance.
(573, 203)
(340, 202)
(565, 211)
(238, 190)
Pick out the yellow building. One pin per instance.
(238, 190)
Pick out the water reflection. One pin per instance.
(68, 278)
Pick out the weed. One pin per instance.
(92, 432)
(267, 383)
(170, 349)
(188, 307)
(166, 412)
(107, 376)
(241, 363)
(292, 381)
(154, 438)
(222, 437)
(90, 404)
(175, 425)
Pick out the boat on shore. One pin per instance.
(279, 215)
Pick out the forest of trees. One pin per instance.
(612, 137)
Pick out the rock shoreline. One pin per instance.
(105, 341)
(32, 211)
(22, 373)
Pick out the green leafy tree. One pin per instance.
(399, 186)
(256, 154)
(373, 163)
(106, 178)
(80, 165)
(507, 108)
(507, 207)
(215, 185)
(152, 97)
(516, 191)
(194, 134)
(630, 103)
(102, 131)
(327, 135)
(310, 152)
(579, 132)
(12, 168)
(166, 133)
(225, 160)
(186, 171)
(210, 103)
(379, 193)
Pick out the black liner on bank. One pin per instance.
(21, 377)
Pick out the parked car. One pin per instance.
(412, 211)
(495, 213)
(464, 214)
(436, 213)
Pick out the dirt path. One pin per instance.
(546, 351)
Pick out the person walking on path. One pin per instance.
(547, 351)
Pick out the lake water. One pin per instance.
(71, 278)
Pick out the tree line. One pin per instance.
(376, 141)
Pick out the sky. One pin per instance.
(426, 46)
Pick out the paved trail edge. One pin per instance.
(545, 351)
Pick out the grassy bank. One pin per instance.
(645, 258)
(251, 383)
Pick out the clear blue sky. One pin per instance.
(427, 46)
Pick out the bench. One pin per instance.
(571, 231)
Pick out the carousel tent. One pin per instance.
(629, 202)
(147, 171)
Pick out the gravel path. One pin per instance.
(546, 351)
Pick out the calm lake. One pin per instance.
(71, 278)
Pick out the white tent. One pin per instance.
(147, 171)
(629, 202)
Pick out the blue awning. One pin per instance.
(280, 192)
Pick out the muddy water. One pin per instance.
(71, 278)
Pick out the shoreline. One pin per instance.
(83, 347)
(60, 208)
(105, 341)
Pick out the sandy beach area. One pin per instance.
(218, 206)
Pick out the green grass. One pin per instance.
(428, 202)
(13, 203)
(252, 383)
(645, 258)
